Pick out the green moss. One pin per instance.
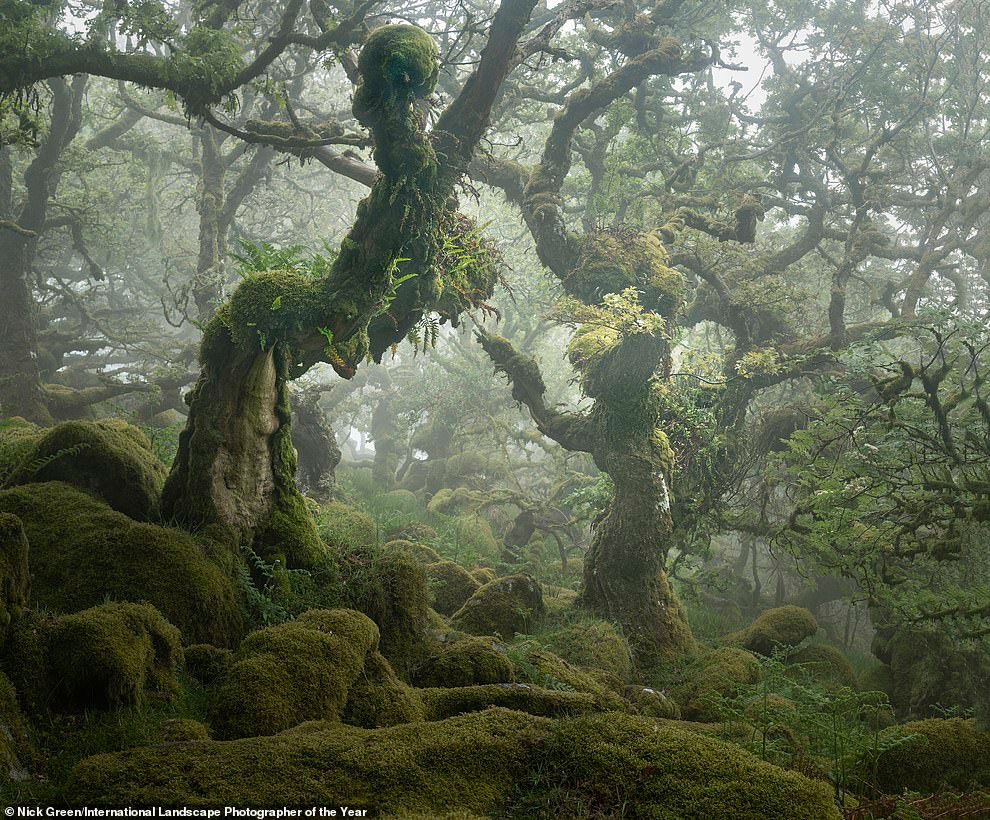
(421, 552)
(783, 626)
(414, 531)
(345, 527)
(83, 553)
(466, 662)
(542, 667)
(651, 703)
(111, 655)
(451, 585)
(927, 755)
(183, 730)
(483, 575)
(404, 501)
(378, 698)
(823, 664)
(716, 674)
(17, 757)
(523, 697)
(208, 664)
(473, 536)
(595, 645)
(108, 457)
(18, 439)
(15, 576)
(503, 607)
(398, 57)
(478, 762)
(296, 671)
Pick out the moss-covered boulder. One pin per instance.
(421, 552)
(183, 730)
(297, 671)
(581, 766)
(928, 755)
(650, 702)
(15, 577)
(466, 662)
(415, 531)
(451, 586)
(83, 553)
(594, 645)
(378, 698)
(537, 665)
(208, 664)
(108, 457)
(503, 607)
(343, 526)
(523, 697)
(402, 500)
(18, 438)
(483, 575)
(455, 502)
(780, 627)
(824, 664)
(715, 675)
(114, 654)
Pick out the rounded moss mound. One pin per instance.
(480, 762)
(183, 730)
(83, 553)
(15, 577)
(595, 645)
(420, 552)
(402, 500)
(651, 703)
(783, 626)
(451, 586)
(466, 662)
(823, 664)
(543, 668)
(344, 527)
(378, 698)
(523, 697)
(111, 655)
(712, 676)
(208, 664)
(296, 671)
(460, 501)
(397, 57)
(414, 531)
(928, 755)
(108, 457)
(483, 575)
(504, 607)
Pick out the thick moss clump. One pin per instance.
(823, 664)
(466, 662)
(941, 753)
(83, 553)
(297, 671)
(451, 586)
(715, 675)
(470, 763)
(15, 577)
(421, 552)
(183, 730)
(595, 645)
(483, 575)
(397, 57)
(542, 667)
(651, 703)
(208, 664)
(345, 527)
(523, 697)
(378, 698)
(414, 531)
(783, 626)
(110, 655)
(18, 439)
(108, 457)
(503, 607)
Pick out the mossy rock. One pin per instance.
(15, 576)
(345, 527)
(108, 457)
(451, 586)
(293, 672)
(83, 553)
(716, 674)
(594, 645)
(414, 531)
(111, 655)
(651, 703)
(474, 763)
(402, 500)
(780, 627)
(459, 501)
(540, 666)
(466, 662)
(473, 535)
(483, 575)
(420, 552)
(927, 756)
(183, 730)
(523, 697)
(17, 756)
(824, 664)
(18, 440)
(208, 664)
(503, 607)
(378, 698)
